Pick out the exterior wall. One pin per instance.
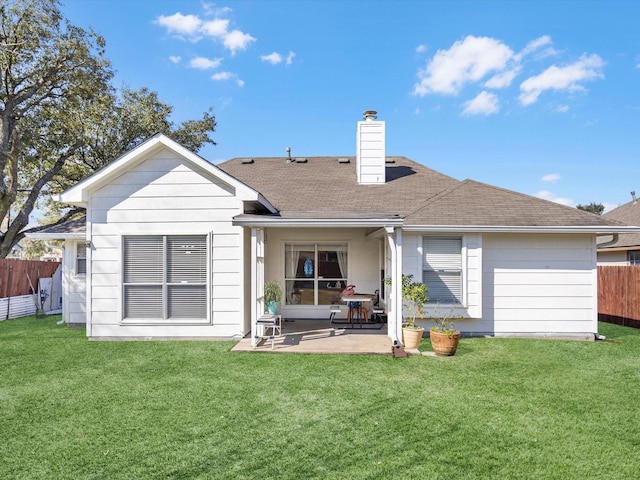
(613, 258)
(538, 285)
(363, 261)
(164, 195)
(412, 261)
(74, 302)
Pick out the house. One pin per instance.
(623, 248)
(175, 247)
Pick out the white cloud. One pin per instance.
(290, 57)
(180, 24)
(467, 60)
(562, 108)
(222, 76)
(551, 177)
(534, 45)
(194, 28)
(175, 58)
(503, 79)
(547, 195)
(484, 104)
(273, 58)
(237, 40)
(568, 78)
(216, 28)
(421, 48)
(202, 63)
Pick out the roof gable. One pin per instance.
(79, 193)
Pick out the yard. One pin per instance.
(501, 408)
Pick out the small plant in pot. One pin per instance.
(272, 296)
(414, 297)
(443, 335)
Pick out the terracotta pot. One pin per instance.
(411, 337)
(443, 344)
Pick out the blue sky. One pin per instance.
(534, 96)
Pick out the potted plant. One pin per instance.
(272, 296)
(414, 297)
(443, 335)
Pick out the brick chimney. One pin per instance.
(370, 150)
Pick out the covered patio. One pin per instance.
(319, 336)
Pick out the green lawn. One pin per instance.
(499, 409)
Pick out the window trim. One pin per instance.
(633, 257)
(166, 320)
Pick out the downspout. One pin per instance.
(610, 242)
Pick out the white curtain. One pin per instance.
(291, 266)
(342, 262)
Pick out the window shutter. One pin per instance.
(143, 301)
(187, 259)
(442, 268)
(143, 260)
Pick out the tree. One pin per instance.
(593, 207)
(60, 118)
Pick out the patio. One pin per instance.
(319, 336)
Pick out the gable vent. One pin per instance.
(247, 161)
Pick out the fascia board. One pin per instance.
(315, 222)
(521, 229)
(57, 236)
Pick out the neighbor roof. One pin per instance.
(629, 214)
(326, 187)
(74, 228)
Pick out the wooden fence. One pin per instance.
(15, 275)
(619, 295)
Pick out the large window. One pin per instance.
(442, 268)
(315, 273)
(165, 278)
(634, 257)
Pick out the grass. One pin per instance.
(500, 408)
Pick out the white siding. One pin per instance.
(164, 195)
(75, 287)
(472, 251)
(613, 258)
(540, 285)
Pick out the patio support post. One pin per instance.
(257, 279)
(394, 237)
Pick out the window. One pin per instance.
(81, 259)
(442, 268)
(165, 278)
(315, 274)
(634, 257)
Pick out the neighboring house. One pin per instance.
(623, 248)
(178, 247)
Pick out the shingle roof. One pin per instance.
(325, 188)
(629, 214)
(70, 228)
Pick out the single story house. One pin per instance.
(623, 248)
(173, 246)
